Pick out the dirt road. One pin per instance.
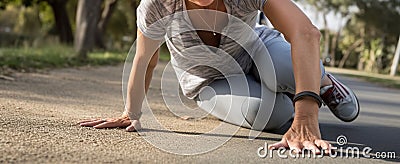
(39, 112)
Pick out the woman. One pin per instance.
(297, 66)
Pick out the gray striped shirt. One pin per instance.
(196, 64)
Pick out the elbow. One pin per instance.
(315, 33)
(308, 33)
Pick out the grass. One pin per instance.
(57, 56)
(384, 80)
(53, 57)
(60, 56)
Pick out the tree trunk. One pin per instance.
(102, 24)
(347, 53)
(362, 61)
(63, 24)
(87, 16)
(396, 58)
(134, 5)
(332, 54)
(326, 37)
(335, 43)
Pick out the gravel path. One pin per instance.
(39, 112)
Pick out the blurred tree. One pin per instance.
(28, 22)
(121, 29)
(381, 23)
(330, 38)
(351, 43)
(62, 20)
(87, 16)
(116, 27)
(4, 3)
(104, 19)
(342, 9)
(63, 24)
(323, 7)
(396, 60)
(134, 5)
(19, 25)
(8, 17)
(370, 33)
(108, 9)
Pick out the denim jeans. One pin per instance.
(240, 105)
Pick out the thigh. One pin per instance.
(281, 56)
(253, 107)
(280, 53)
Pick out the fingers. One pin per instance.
(296, 146)
(92, 123)
(311, 146)
(89, 120)
(326, 146)
(279, 144)
(113, 124)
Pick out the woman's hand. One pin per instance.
(304, 132)
(120, 122)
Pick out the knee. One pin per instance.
(250, 108)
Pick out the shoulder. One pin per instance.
(160, 7)
(248, 5)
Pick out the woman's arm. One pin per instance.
(304, 38)
(147, 53)
(146, 58)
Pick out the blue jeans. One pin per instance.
(229, 104)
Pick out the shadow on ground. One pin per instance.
(379, 138)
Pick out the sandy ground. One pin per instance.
(39, 112)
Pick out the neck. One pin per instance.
(192, 5)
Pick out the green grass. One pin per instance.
(57, 56)
(381, 81)
(384, 80)
(106, 58)
(26, 58)
(60, 56)
(164, 54)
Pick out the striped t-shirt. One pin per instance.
(196, 64)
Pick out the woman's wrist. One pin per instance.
(306, 109)
(132, 115)
(309, 95)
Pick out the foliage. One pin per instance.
(53, 56)
(58, 56)
(30, 25)
(367, 41)
(20, 20)
(370, 34)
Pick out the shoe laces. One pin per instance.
(337, 95)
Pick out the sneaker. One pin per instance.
(341, 100)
